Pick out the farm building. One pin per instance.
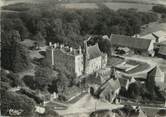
(161, 49)
(137, 45)
(159, 39)
(109, 90)
(158, 36)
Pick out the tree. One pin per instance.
(43, 77)
(53, 86)
(133, 90)
(105, 46)
(150, 81)
(59, 84)
(14, 79)
(16, 101)
(159, 8)
(30, 82)
(42, 26)
(115, 29)
(88, 22)
(9, 37)
(15, 24)
(14, 55)
(5, 82)
(9, 80)
(39, 39)
(21, 59)
(30, 18)
(55, 32)
(62, 83)
(123, 92)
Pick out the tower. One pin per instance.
(52, 53)
(85, 56)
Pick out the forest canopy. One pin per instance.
(70, 26)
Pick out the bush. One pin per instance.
(15, 56)
(133, 90)
(43, 77)
(30, 82)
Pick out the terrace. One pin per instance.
(130, 66)
(125, 66)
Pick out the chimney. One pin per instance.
(52, 56)
(86, 56)
(75, 51)
(105, 37)
(61, 46)
(50, 43)
(67, 47)
(55, 45)
(80, 50)
(71, 49)
(156, 37)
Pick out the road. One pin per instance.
(88, 104)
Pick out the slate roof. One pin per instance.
(94, 51)
(150, 112)
(161, 113)
(123, 82)
(162, 50)
(162, 43)
(158, 34)
(130, 42)
(148, 36)
(110, 86)
(129, 112)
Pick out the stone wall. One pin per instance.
(104, 60)
(79, 64)
(93, 65)
(64, 59)
(72, 63)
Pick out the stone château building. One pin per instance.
(78, 62)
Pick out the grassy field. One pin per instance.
(80, 5)
(111, 5)
(138, 6)
(91, 4)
